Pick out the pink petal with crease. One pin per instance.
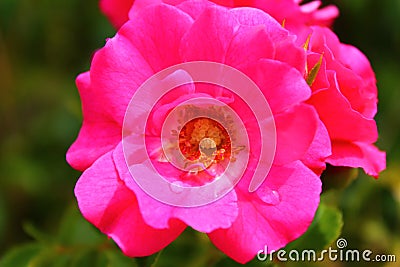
(99, 134)
(260, 223)
(105, 201)
(156, 32)
(342, 122)
(295, 132)
(210, 36)
(116, 73)
(282, 85)
(355, 155)
(319, 150)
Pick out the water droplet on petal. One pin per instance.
(212, 170)
(223, 188)
(176, 187)
(269, 196)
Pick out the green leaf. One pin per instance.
(3, 218)
(323, 231)
(21, 256)
(117, 259)
(89, 258)
(36, 234)
(49, 256)
(307, 43)
(156, 258)
(312, 74)
(253, 263)
(74, 229)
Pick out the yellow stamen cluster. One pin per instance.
(206, 128)
(204, 139)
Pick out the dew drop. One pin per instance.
(269, 196)
(176, 187)
(223, 188)
(212, 170)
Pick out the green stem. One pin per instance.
(154, 264)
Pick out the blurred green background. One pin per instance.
(44, 44)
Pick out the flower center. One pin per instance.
(205, 140)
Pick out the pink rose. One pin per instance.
(112, 7)
(240, 223)
(295, 16)
(345, 96)
(345, 79)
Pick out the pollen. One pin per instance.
(204, 139)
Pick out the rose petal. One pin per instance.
(99, 134)
(295, 131)
(282, 85)
(157, 32)
(249, 44)
(194, 8)
(219, 214)
(116, 11)
(291, 54)
(285, 48)
(261, 224)
(310, 7)
(254, 17)
(116, 73)
(326, 15)
(357, 154)
(319, 150)
(342, 122)
(105, 201)
(141, 4)
(354, 73)
(210, 36)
